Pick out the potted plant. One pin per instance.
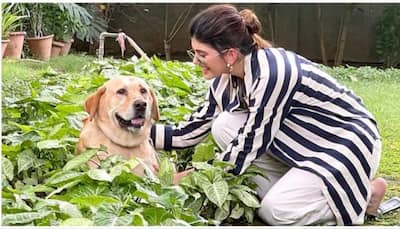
(9, 22)
(39, 42)
(64, 20)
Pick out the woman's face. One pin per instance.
(209, 59)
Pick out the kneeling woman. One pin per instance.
(318, 144)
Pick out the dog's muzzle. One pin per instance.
(139, 108)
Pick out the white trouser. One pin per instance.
(290, 196)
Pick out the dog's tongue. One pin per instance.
(137, 122)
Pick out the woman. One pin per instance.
(317, 143)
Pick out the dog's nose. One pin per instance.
(140, 105)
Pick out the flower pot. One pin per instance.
(56, 48)
(4, 44)
(40, 47)
(67, 46)
(14, 48)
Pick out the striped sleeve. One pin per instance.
(269, 103)
(188, 133)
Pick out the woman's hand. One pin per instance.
(177, 176)
(180, 175)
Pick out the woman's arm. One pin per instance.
(188, 133)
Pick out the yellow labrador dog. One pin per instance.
(120, 114)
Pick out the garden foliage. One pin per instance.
(45, 184)
(387, 36)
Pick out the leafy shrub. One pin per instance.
(10, 20)
(387, 36)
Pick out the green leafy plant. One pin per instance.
(93, 28)
(221, 196)
(10, 20)
(65, 20)
(387, 36)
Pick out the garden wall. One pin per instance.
(295, 27)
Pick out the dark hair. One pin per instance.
(223, 26)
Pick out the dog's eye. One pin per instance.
(143, 90)
(121, 91)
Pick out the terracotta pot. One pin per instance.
(14, 48)
(40, 47)
(56, 48)
(67, 46)
(4, 44)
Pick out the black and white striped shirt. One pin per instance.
(302, 115)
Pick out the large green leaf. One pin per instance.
(172, 197)
(246, 198)
(69, 108)
(94, 201)
(216, 192)
(237, 212)
(100, 175)
(195, 202)
(112, 215)
(202, 165)
(65, 186)
(80, 159)
(77, 222)
(175, 223)
(64, 207)
(146, 193)
(156, 215)
(199, 179)
(24, 217)
(166, 172)
(223, 213)
(138, 218)
(7, 168)
(249, 214)
(63, 176)
(26, 160)
(24, 128)
(50, 144)
(175, 82)
(204, 151)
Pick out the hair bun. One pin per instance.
(251, 21)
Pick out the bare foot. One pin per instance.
(378, 189)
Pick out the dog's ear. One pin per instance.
(92, 102)
(155, 114)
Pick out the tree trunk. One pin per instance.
(167, 46)
(321, 36)
(343, 35)
(169, 35)
(271, 23)
(167, 49)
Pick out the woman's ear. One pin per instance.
(231, 56)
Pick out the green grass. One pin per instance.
(383, 100)
(27, 68)
(382, 97)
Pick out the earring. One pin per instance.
(230, 67)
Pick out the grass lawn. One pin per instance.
(28, 68)
(381, 95)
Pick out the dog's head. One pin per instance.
(123, 108)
